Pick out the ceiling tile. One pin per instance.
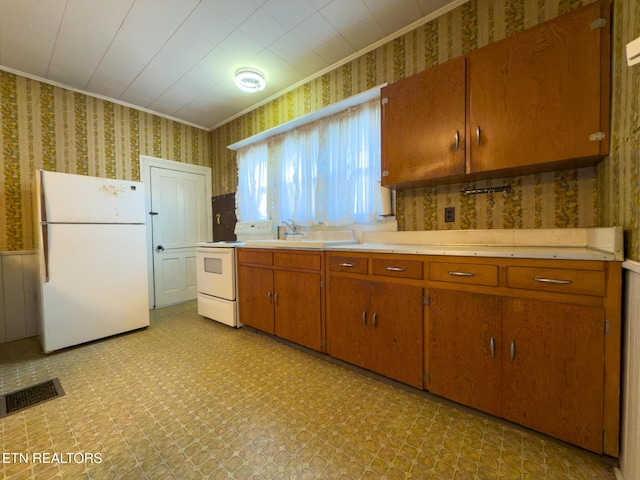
(262, 28)
(206, 23)
(183, 50)
(293, 51)
(277, 72)
(315, 31)
(178, 11)
(343, 14)
(144, 32)
(85, 35)
(233, 11)
(240, 46)
(364, 33)
(216, 66)
(28, 30)
(289, 13)
(335, 50)
(394, 16)
(178, 57)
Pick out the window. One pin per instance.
(326, 172)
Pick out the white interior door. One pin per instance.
(180, 211)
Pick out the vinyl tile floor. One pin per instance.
(189, 398)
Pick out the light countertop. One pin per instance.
(567, 253)
(603, 244)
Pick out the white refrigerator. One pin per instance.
(93, 259)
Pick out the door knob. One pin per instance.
(160, 248)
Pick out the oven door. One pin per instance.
(216, 274)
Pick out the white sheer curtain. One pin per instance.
(252, 194)
(350, 166)
(325, 172)
(297, 174)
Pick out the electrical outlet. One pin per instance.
(449, 214)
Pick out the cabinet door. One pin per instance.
(348, 320)
(255, 297)
(396, 332)
(297, 307)
(536, 96)
(465, 349)
(553, 376)
(421, 115)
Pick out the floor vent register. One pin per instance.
(30, 396)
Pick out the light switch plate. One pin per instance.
(633, 52)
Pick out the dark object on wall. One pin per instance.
(224, 217)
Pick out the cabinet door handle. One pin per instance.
(269, 295)
(345, 264)
(512, 350)
(275, 298)
(375, 319)
(396, 269)
(457, 139)
(552, 280)
(364, 318)
(462, 274)
(478, 135)
(492, 347)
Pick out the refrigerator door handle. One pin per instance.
(44, 227)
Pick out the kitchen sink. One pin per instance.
(311, 239)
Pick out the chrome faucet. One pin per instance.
(292, 226)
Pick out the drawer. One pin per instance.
(561, 280)
(469, 273)
(305, 261)
(349, 264)
(397, 268)
(255, 257)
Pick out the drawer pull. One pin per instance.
(551, 280)
(456, 137)
(462, 274)
(396, 269)
(512, 351)
(364, 318)
(270, 295)
(375, 319)
(345, 264)
(492, 347)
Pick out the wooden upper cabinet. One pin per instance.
(540, 97)
(536, 101)
(423, 125)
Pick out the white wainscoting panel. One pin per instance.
(19, 311)
(630, 434)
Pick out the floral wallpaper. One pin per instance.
(605, 195)
(42, 126)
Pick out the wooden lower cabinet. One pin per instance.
(281, 293)
(553, 370)
(377, 326)
(255, 300)
(536, 342)
(347, 332)
(298, 308)
(465, 348)
(534, 362)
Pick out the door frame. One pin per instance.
(146, 163)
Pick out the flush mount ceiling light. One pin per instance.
(250, 80)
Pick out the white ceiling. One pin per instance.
(177, 58)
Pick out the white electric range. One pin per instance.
(217, 280)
